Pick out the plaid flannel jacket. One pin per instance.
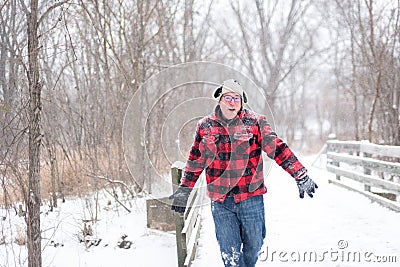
(231, 154)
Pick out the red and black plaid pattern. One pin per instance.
(231, 154)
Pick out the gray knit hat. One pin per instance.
(227, 86)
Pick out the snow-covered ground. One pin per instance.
(332, 226)
(63, 227)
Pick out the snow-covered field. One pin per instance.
(63, 227)
(333, 226)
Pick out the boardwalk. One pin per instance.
(335, 228)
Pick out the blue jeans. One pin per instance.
(240, 230)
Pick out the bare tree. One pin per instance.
(35, 84)
(372, 27)
(35, 87)
(275, 43)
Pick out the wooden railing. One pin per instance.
(375, 167)
(188, 223)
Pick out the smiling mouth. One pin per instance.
(232, 109)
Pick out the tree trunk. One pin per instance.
(373, 107)
(35, 87)
(53, 174)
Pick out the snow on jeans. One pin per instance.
(240, 230)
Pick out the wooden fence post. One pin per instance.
(331, 148)
(176, 173)
(367, 171)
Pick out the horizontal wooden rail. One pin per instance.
(362, 162)
(378, 165)
(363, 147)
(365, 178)
(381, 200)
(191, 227)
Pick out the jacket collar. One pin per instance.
(218, 115)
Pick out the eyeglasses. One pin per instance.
(229, 98)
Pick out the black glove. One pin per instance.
(307, 185)
(180, 198)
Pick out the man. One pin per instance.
(228, 145)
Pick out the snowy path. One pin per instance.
(335, 228)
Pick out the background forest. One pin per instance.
(68, 70)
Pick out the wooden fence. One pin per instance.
(373, 170)
(187, 224)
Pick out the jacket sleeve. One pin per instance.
(279, 151)
(196, 161)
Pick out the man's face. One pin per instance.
(230, 104)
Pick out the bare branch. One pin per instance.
(119, 202)
(51, 9)
(3, 5)
(112, 182)
(24, 7)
